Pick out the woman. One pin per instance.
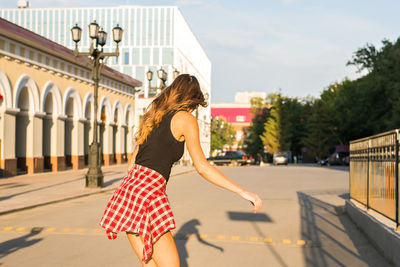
(140, 206)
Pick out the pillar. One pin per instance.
(34, 147)
(57, 159)
(7, 144)
(77, 150)
(119, 141)
(107, 144)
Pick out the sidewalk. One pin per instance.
(33, 190)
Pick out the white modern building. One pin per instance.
(154, 37)
(245, 97)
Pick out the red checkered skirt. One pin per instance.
(139, 205)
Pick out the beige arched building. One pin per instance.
(46, 106)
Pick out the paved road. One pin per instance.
(302, 224)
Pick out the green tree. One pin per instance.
(318, 138)
(285, 127)
(253, 144)
(222, 133)
(379, 90)
(272, 134)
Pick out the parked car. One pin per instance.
(234, 158)
(280, 158)
(339, 158)
(324, 161)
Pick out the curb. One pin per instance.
(103, 190)
(383, 237)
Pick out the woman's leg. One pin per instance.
(165, 253)
(137, 245)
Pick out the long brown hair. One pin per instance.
(183, 94)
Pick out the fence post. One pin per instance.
(350, 155)
(397, 179)
(368, 162)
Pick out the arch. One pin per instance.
(129, 115)
(106, 103)
(51, 87)
(26, 81)
(73, 93)
(5, 89)
(88, 100)
(118, 108)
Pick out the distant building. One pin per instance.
(47, 107)
(154, 37)
(235, 113)
(245, 97)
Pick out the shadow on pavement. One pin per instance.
(188, 230)
(334, 239)
(248, 216)
(315, 165)
(13, 245)
(254, 219)
(11, 185)
(112, 181)
(37, 189)
(338, 168)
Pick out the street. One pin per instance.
(301, 224)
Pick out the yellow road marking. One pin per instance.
(301, 242)
(251, 239)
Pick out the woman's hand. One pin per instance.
(253, 198)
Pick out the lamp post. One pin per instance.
(94, 176)
(162, 75)
(175, 74)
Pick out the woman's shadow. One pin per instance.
(186, 231)
(10, 246)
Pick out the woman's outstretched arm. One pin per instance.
(133, 157)
(189, 128)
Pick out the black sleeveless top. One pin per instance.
(161, 149)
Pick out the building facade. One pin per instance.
(46, 106)
(237, 114)
(245, 97)
(154, 37)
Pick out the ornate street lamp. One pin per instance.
(175, 74)
(162, 75)
(94, 176)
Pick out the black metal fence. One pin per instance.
(374, 173)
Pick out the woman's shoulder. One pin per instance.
(184, 118)
(184, 115)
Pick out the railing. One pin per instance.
(374, 173)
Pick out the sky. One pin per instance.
(296, 47)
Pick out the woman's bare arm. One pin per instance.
(190, 130)
(133, 157)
